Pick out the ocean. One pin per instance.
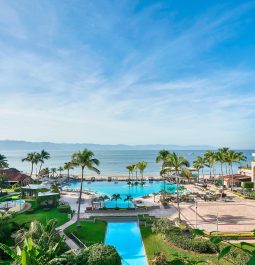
(112, 162)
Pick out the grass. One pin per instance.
(42, 216)
(88, 232)
(154, 243)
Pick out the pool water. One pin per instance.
(127, 240)
(11, 204)
(122, 188)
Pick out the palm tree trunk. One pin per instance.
(79, 202)
(177, 194)
(40, 167)
(198, 175)
(232, 178)
(203, 174)
(68, 172)
(32, 168)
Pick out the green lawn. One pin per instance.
(88, 232)
(154, 243)
(41, 216)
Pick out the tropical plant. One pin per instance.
(116, 197)
(68, 166)
(177, 163)
(131, 169)
(84, 159)
(128, 199)
(199, 164)
(3, 183)
(103, 198)
(60, 169)
(141, 166)
(43, 155)
(162, 157)
(33, 158)
(210, 159)
(53, 171)
(3, 162)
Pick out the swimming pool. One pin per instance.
(122, 188)
(11, 204)
(127, 240)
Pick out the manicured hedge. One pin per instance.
(198, 245)
(183, 239)
(64, 208)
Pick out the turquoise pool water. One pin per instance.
(126, 238)
(11, 204)
(122, 188)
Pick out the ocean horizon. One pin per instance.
(112, 162)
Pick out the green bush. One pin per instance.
(248, 185)
(100, 254)
(179, 238)
(64, 208)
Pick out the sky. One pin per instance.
(128, 72)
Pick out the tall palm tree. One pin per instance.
(53, 171)
(84, 159)
(224, 151)
(68, 166)
(177, 163)
(162, 157)
(60, 169)
(141, 166)
(209, 160)
(128, 199)
(199, 164)
(3, 162)
(33, 158)
(42, 157)
(103, 198)
(234, 157)
(116, 197)
(131, 169)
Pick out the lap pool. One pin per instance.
(127, 240)
(122, 188)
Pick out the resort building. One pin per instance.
(14, 176)
(249, 170)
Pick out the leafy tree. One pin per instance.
(3, 162)
(60, 169)
(116, 197)
(3, 183)
(141, 166)
(128, 199)
(33, 158)
(84, 159)
(43, 155)
(68, 166)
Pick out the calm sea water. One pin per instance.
(112, 162)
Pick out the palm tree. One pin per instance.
(84, 159)
(42, 157)
(131, 169)
(234, 157)
(199, 164)
(3, 162)
(103, 199)
(60, 169)
(33, 158)
(53, 171)
(224, 151)
(68, 166)
(177, 163)
(116, 197)
(209, 160)
(141, 166)
(162, 157)
(128, 199)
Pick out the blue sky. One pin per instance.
(133, 72)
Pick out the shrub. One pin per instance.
(64, 208)
(248, 185)
(46, 209)
(159, 259)
(182, 238)
(100, 254)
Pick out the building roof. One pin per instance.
(236, 177)
(35, 187)
(15, 175)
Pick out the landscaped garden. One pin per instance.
(89, 232)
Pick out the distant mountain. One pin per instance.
(36, 146)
